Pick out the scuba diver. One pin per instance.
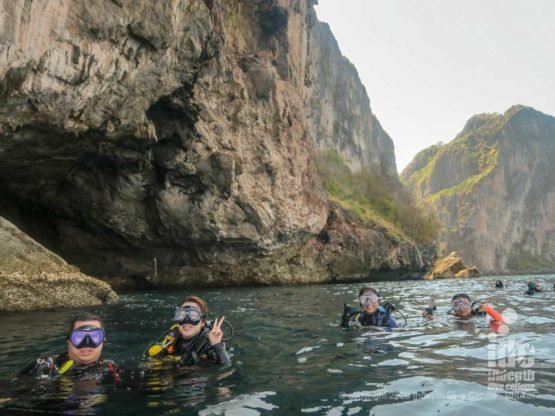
(463, 307)
(85, 342)
(533, 287)
(499, 284)
(372, 314)
(193, 339)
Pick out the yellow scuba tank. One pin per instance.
(166, 344)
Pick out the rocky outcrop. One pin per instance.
(451, 267)
(350, 251)
(32, 277)
(493, 188)
(175, 134)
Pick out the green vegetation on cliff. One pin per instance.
(492, 189)
(486, 165)
(455, 168)
(421, 160)
(372, 197)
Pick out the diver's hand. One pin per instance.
(428, 313)
(483, 306)
(216, 334)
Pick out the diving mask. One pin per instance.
(371, 298)
(86, 336)
(461, 304)
(188, 315)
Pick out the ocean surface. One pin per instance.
(291, 357)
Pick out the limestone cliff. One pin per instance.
(494, 189)
(340, 108)
(179, 131)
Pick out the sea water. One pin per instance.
(290, 356)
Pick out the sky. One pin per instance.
(429, 65)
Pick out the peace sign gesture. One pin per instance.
(216, 334)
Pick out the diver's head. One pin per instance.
(499, 284)
(191, 316)
(531, 288)
(85, 339)
(368, 299)
(462, 305)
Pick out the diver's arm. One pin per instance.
(219, 354)
(217, 349)
(29, 369)
(348, 313)
(41, 367)
(393, 323)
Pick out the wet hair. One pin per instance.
(203, 306)
(85, 317)
(461, 295)
(367, 289)
(499, 283)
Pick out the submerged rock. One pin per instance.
(449, 267)
(31, 277)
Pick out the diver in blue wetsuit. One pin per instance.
(372, 314)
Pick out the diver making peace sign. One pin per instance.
(193, 339)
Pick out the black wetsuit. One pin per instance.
(198, 350)
(62, 365)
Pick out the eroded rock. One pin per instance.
(451, 267)
(32, 277)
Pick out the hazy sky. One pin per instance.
(429, 65)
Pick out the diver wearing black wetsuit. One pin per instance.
(63, 365)
(193, 339)
(198, 350)
(85, 342)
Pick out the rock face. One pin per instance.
(494, 190)
(32, 277)
(449, 267)
(135, 133)
(349, 251)
(340, 108)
